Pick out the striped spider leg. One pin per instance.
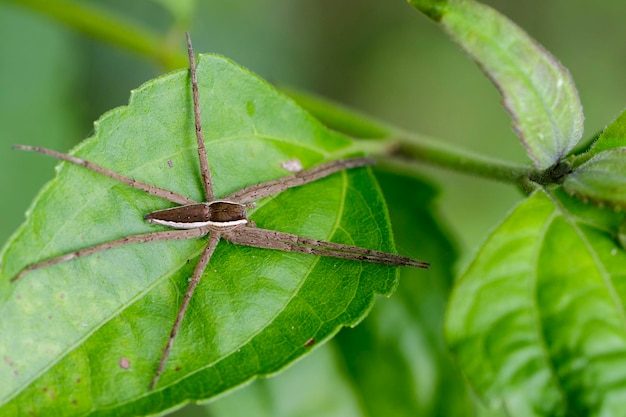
(225, 218)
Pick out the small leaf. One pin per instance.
(72, 334)
(538, 91)
(613, 136)
(537, 320)
(602, 179)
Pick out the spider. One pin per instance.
(225, 218)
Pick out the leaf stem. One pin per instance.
(408, 151)
(404, 149)
(103, 25)
(423, 149)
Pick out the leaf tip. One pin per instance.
(434, 9)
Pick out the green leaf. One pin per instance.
(537, 321)
(74, 333)
(600, 175)
(413, 374)
(431, 8)
(538, 91)
(602, 179)
(613, 136)
(393, 364)
(316, 386)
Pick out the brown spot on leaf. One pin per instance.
(309, 342)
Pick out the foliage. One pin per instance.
(535, 322)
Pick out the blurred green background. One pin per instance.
(381, 57)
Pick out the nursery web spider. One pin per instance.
(220, 218)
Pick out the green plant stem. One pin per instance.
(103, 25)
(404, 149)
(409, 152)
(443, 155)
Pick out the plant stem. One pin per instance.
(100, 24)
(404, 149)
(407, 151)
(444, 155)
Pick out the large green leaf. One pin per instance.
(316, 386)
(538, 91)
(393, 364)
(73, 334)
(413, 375)
(538, 321)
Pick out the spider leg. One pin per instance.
(143, 238)
(255, 192)
(272, 239)
(193, 283)
(150, 189)
(204, 163)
